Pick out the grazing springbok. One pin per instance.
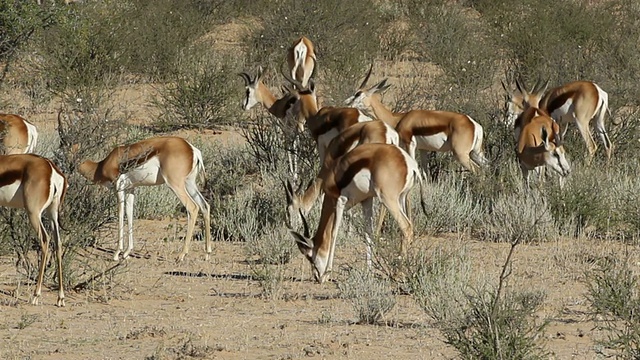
(429, 130)
(368, 171)
(540, 144)
(37, 185)
(258, 93)
(17, 135)
(370, 132)
(301, 58)
(154, 161)
(577, 101)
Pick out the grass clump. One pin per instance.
(613, 295)
(371, 297)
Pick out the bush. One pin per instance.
(198, 94)
(370, 296)
(613, 295)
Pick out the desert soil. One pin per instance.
(151, 307)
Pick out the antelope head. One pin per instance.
(251, 87)
(307, 248)
(361, 99)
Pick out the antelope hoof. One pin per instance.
(116, 256)
(60, 302)
(35, 300)
(181, 258)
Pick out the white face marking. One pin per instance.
(250, 99)
(557, 160)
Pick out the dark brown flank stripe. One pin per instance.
(557, 102)
(10, 177)
(351, 172)
(429, 130)
(140, 158)
(333, 120)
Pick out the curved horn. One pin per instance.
(305, 225)
(521, 87)
(366, 78)
(315, 65)
(289, 194)
(246, 77)
(295, 83)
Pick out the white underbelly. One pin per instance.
(11, 195)
(437, 142)
(566, 109)
(360, 188)
(148, 174)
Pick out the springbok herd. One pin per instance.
(365, 150)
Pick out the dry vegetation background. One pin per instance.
(499, 272)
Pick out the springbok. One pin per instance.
(368, 171)
(540, 144)
(301, 58)
(37, 185)
(326, 123)
(154, 161)
(577, 101)
(370, 132)
(430, 130)
(17, 135)
(258, 93)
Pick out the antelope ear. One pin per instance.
(260, 71)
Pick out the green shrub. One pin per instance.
(613, 295)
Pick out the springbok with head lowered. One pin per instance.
(540, 144)
(17, 135)
(429, 130)
(155, 161)
(37, 185)
(368, 171)
(301, 58)
(577, 101)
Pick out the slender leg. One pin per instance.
(392, 202)
(129, 201)
(34, 218)
(121, 203)
(367, 212)
(192, 215)
(337, 221)
(58, 243)
(204, 207)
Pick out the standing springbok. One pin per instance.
(37, 185)
(301, 58)
(540, 144)
(17, 135)
(368, 171)
(258, 93)
(430, 130)
(154, 161)
(576, 101)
